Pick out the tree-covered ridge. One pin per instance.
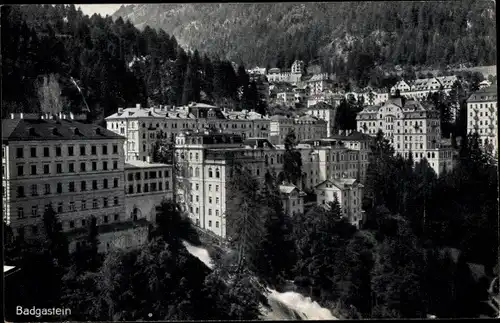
(111, 62)
(429, 33)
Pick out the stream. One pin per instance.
(283, 306)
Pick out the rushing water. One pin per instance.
(283, 306)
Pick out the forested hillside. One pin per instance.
(113, 63)
(427, 33)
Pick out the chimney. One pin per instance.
(21, 115)
(148, 159)
(71, 116)
(120, 110)
(12, 115)
(138, 105)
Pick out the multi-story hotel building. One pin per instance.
(326, 112)
(75, 167)
(482, 117)
(305, 127)
(349, 194)
(147, 185)
(143, 127)
(419, 89)
(412, 128)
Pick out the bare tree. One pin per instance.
(49, 95)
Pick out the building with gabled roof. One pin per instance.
(292, 199)
(348, 192)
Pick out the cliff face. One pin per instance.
(424, 33)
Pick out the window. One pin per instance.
(209, 187)
(20, 170)
(105, 165)
(160, 186)
(84, 205)
(94, 184)
(115, 164)
(105, 183)
(105, 219)
(216, 188)
(130, 189)
(166, 185)
(71, 167)
(19, 152)
(71, 206)
(59, 168)
(46, 169)
(94, 166)
(146, 188)
(71, 186)
(216, 200)
(71, 224)
(153, 187)
(33, 169)
(166, 173)
(210, 200)
(138, 176)
(47, 189)
(93, 150)
(115, 200)
(33, 151)
(34, 211)
(59, 207)
(71, 151)
(82, 167)
(216, 224)
(210, 223)
(117, 217)
(138, 188)
(20, 213)
(105, 202)
(197, 198)
(197, 186)
(104, 149)
(115, 182)
(82, 150)
(216, 212)
(34, 190)
(115, 149)
(46, 152)
(95, 204)
(130, 177)
(210, 172)
(59, 188)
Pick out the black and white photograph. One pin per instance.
(250, 161)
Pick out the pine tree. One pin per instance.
(292, 160)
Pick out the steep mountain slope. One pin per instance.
(418, 33)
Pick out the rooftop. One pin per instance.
(43, 129)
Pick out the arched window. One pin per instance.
(217, 174)
(210, 172)
(197, 172)
(190, 171)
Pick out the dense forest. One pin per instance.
(426, 33)
(111, 62)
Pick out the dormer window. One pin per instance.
(98, 131)
(55, 132)
(32, 131)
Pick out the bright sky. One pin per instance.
(101, 9)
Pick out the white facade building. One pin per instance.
(292, 199)
(482, 117)
(147, 185)
(411, 128)
(348, 192)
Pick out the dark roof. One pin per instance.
(353, 136)
(321, 105)
(41, 129)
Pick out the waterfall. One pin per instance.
(283, 306)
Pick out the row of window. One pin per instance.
(71, 168)
(197, 211)
(69, 152)
(148, 175)
(197, 186)
(146, 188)
(71, 187)
(71, 207)
(35, 229)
